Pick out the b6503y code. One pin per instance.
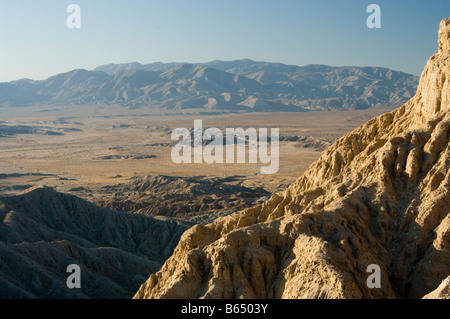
(246, 308)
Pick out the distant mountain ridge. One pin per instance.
(241, 85)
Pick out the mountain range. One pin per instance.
(224, 86)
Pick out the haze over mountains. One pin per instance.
(224, 86)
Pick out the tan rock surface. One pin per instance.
(441, 292)
(379, 195)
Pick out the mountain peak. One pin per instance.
(444, 35)
(433, 92)
(180, 71)
(38, 190)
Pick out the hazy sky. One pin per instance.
(36, 43)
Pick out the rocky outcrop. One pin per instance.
(379, 195)
(42, 232)
(181, 197)
(441, 292)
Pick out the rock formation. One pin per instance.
(42, 232)
(441, 292)
(181, 197)
(379, 195)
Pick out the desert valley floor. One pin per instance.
(82, 149)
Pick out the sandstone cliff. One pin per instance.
(379, 195)
(441, 292)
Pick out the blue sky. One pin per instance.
(36, 43)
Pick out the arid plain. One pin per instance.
(82, 149)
